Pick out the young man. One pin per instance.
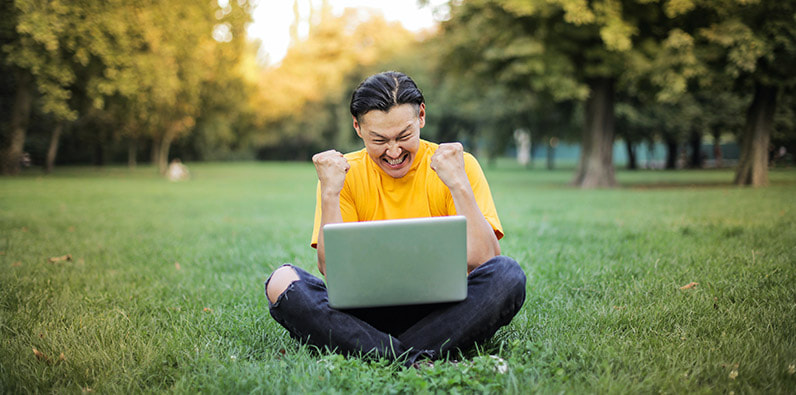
(398, 175)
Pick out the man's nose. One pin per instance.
(393, 150)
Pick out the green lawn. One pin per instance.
(164, 291)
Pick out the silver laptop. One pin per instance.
(396, 262)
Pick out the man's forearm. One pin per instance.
(330, 214)
(482, 244)
(331, 167)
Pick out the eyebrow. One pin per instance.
(375, 134)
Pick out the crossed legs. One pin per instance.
(495, 293)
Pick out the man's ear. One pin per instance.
(421, 114)
(357, 127)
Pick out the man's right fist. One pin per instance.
(331, 167)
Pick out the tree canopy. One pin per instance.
(181, 78)
(138, 66)
(659, 57)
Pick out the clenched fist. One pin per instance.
(448, 162)
(331, 167)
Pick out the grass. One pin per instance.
(164, 291)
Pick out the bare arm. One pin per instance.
(330, 214)
(482, 244)
(331, 167)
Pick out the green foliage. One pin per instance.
(754, 42)
(157, 71)
(142, 69)
(555, 46)
(604, 310)
(753, 39)
(784, 133)
(578, 51)
(33, 44)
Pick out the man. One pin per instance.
(398, 175)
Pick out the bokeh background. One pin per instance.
(587, 84)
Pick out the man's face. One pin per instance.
(392, 138)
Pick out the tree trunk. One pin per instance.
(172, 131)
(695, 161)
(20, 115)
(632, 164)
(52, 150)
(165, 145)
(753, 164)
(671, 152)
(132, 153)
(596, 167)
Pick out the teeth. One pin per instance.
(395, 161)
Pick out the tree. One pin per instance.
(575, 50)
(183, 51)
(136, 68)
(34, 54)
(755, 43)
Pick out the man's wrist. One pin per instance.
(460, 186)
(330, 196)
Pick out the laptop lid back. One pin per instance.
(396, 262)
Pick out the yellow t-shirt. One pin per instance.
(370, 194)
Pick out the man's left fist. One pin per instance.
(448, 162)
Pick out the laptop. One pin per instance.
(396, 262)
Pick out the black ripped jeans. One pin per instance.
(495, 293)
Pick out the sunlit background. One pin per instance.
(592, 86)
(271, 20)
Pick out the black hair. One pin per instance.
(383, 91)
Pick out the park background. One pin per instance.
(652, 268)
(666, 84)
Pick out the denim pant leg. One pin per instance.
(495, 293)
(303, 309)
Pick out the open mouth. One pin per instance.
(396, 163)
